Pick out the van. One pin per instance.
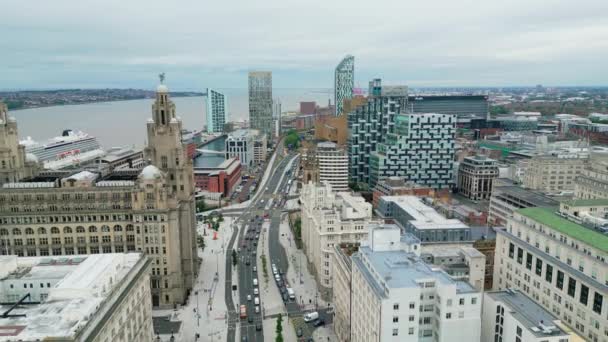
(255, 282)
(256, 301)
(291, 293)
(311, 316)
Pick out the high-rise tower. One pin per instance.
(260, 101)
(344, 82)
(216, 111)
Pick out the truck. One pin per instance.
(291, 293)
(311, 316)
(243, 312)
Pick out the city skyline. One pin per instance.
(60, 45)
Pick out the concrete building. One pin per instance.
(459, 261)
(505, 200)
(555, 172)
(276, 116)
(558, 258)
(398, 186)
(344, 82)
(422, 221)
(124, 158)
(335, 129)
(308, 107)
(260, 102)
(330, 218)
(462, 106)
(420, 149)
(91, 212)
(240, 145)
(370, 124)
(216, 111)
(104, 297)
(511, 316)
(592, 182)
(222, 178)
(333, 165)
(260, 148)
(476, 177)
(15, 164)
(396, 296)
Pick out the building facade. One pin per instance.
(333, 165)
(260, 102)
(98, 298)
(554, 172)
(344, 82)
(222, 178)
(592, 182)
(462, 106)
(239, 145)
(330, 218)
(398, 186)
(396, 296)
(89, 212)
(559, 260)
(216, 111)
(15, 164)
(476, 177)
(505, 200)
(420, 149)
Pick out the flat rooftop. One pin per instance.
(548, 217)
(587, 202)
(423, 216)
(527, 312)
(535, 198)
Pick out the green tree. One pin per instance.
(279, 329)
(201, 242)
(234, 258)
(292, 139)
(297, 228)
(201, 205)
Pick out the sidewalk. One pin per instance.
(272, 303)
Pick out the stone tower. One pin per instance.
(15, 165)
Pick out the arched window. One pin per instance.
(16, 231)
(105, 229)
(129, 228)
(79, 229)
(92, 229)
(117, 228)
(3, 231)
(29, 231)
(54, 230)
(68, 230)
(41, 230)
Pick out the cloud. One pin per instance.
(213, 43)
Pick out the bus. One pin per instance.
(243, 312)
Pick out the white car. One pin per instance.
(249, 298)
(256, 291)
(257, 309)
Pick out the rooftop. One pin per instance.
(527, 312)
(534, 198)
(548, 217)
(422, 215)
(587, 202)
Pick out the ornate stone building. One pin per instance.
(93, 211)
(15, 164)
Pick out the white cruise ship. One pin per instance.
(66, 150)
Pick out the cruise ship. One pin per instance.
(66, 150)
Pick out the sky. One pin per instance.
(210, 43)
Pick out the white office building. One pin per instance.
(216, 111)
(333, 165)
(559, 259)
(512, 316)
(330, 218)
(239, 144)
(398, 297)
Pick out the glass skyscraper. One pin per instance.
(216, 111)
(260, 102)
(344, 82)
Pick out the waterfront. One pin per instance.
(123, 123)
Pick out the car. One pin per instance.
(258, 327)
(311, 316)
(244, 339)
(318, 323)
(247, 262)
(255, 268)
(249, 298)
(250, 319)
(257, 309)
(285, 297)
(299, 332)
(256, 291)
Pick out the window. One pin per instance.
(395, 332)
(395, 319)
(410, 331)
(461, 301)
(584, 297)
(396, 306)
(539, 267)
(520, 255)
(597, 303)
(448, 315)
(412, 305)
(560, 280)
(549, 273)
(474, 300)
(411, 318)
(571, 287)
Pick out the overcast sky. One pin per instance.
(200, 43)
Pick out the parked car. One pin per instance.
(299, 332)
(318, 323)
(258, 327)
(249, 298)
(311, 316)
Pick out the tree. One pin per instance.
(292, 139)
(297, 228)
(279, 329)
(201, 242)
(234, 258)
(201, 205)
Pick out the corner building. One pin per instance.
(90, 211)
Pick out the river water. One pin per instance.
(123, 123)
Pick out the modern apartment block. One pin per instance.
(370, 125)
(98, 298)
(462, 106)
(127, 210)
(344, 82)
(330, 218)
(592, 182)
(396, 296)
(510, 315)
(333, 165)
(420, 149)
(476, 177)
(216, 111)
(558, 258)
(422, 221)
(260, 102)
(505, 200)
(554, 172)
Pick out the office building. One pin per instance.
(398, 186)
(344, 82)
(260, 102)
(103, 297)
(241, 144)
(370, 124)
(216, 111)
(420, 149)
(333, 165)
(505, 200)
(308, 107)
(260, 148)
(554, 172)
(558, 258)
(476, 177)
(276, 116)
(149, 210)
(511, 316)
(123, 159)
(330, 218)
(16, 164)
(422, 221)
(592, 182)
(461, 262)
(396, 296)
(221, 178)
(462, 106)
